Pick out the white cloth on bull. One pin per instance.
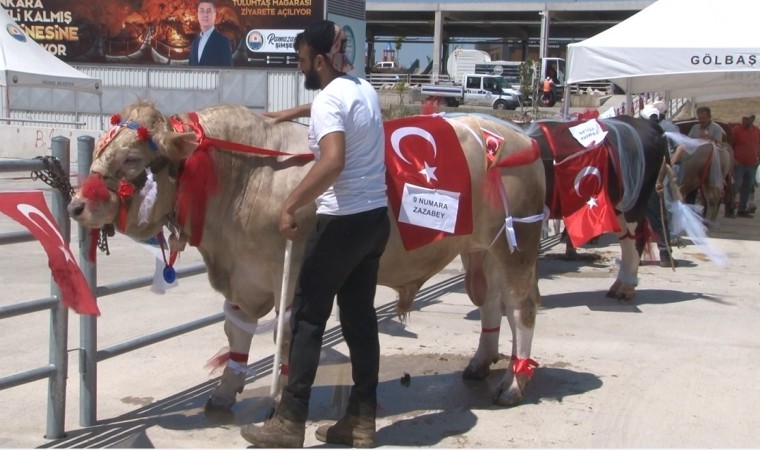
(160, 285)
(632, 160)
(148, 193)
(685, 219)
(690, 145)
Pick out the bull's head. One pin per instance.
(132, 180)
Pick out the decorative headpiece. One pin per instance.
(143, 134)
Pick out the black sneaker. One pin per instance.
(744, 214)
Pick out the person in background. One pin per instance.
(343, 250)
(547, 91)
(746, 144)
(210, 47)
(705, 129)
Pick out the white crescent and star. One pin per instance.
(29, 211)
(587, 171)
(403, 132)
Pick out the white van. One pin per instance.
(385, 65)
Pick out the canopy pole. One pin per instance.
(543, 49)
(566, 102)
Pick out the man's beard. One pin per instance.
(311, 80)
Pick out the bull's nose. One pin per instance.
(75, 209)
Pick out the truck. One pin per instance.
(510, 70)
(475, 90)
(463, 60)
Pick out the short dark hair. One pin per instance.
(704, 109)
(318, 35)
(213, 3)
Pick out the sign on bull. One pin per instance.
(429, 208)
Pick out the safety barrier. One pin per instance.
(57, 368)
(89, 355)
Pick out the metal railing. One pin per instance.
(56, 369)
(89, 355)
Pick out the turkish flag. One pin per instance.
(582, 183)
(30, 210)
(494, 142)
(428, 179)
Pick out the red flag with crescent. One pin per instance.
(582, 183)
(429, 187)
(30, 210)
(493, 142)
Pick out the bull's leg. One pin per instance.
(239, 330)
(624, 287)
(712, 204)
(570, 252)
(474, 277)
(521, 308)
(488, 347)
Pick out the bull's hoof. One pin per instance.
(224, 395)
(626, 296)
(712, 225)
(476, 372)
(507, 397)
(218, 404)
(612, 293)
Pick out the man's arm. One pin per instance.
(289, 114)
(332, 158)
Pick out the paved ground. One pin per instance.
(677, 367)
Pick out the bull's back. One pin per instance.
(525, 187)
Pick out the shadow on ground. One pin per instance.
(435, 404)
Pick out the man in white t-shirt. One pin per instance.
(343, 250)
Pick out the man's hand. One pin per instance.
(289, 114)
(288, 225)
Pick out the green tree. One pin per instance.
(398, 42)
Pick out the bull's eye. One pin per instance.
(131, 167)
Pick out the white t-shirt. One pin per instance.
(350, 105)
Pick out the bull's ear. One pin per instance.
(177, 146)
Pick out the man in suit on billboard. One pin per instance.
(210, 47)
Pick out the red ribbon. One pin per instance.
(523, 366)
(198, 180)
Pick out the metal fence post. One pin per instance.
(59, 318)
(88, 330)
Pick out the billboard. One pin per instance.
(162, 31)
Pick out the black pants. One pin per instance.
(342, 258)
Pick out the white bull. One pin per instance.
(244, 251)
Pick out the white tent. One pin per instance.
(25, 63)
(679, 48)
